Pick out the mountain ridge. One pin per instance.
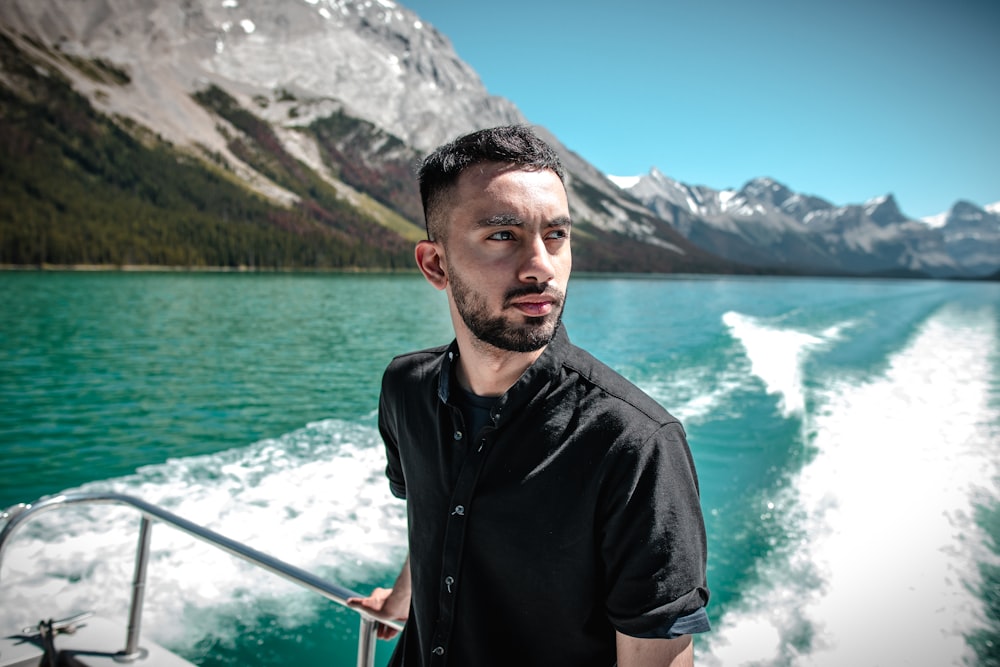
(322, 108)
(765, 223)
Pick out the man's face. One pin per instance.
(506, 255)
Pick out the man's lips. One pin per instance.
(534, 305)
(534, 300)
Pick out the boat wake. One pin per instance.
(316, 498)
(883, 553)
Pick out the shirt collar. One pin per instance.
(531, 382)
(444, 377)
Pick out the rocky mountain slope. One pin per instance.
(317, 109)
(766, 224)
(972, 237)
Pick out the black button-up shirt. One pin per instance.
(573, 513)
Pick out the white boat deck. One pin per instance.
(91, 645)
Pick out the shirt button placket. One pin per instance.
(454, 537)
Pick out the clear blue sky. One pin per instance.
(847, 100)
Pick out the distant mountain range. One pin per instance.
(766, 224)
(284, 134)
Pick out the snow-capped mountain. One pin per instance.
(765, 223)
(295, 63)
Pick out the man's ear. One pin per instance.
(430, 260)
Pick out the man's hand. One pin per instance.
(382, 604)
(388, 604)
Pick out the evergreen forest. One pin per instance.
(80, 188)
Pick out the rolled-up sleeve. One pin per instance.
(653, 541)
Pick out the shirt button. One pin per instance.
(459, 510)
(438, 650)
(458, 435)
(448, 581)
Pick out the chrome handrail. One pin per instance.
(20, 514)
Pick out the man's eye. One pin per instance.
(559, 234)
(501, 236)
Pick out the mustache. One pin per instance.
(531, 290)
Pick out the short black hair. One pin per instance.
(508, 144)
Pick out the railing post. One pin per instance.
(132, 650)
(366, 642)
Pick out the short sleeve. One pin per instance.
(653, 542)
(387, 426)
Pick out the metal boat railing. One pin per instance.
(20, 514)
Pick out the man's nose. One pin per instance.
(536, 265)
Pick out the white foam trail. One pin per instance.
(889, 547)
(694, 394)
(316, 498)
(776, 356)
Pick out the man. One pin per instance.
(553, 507)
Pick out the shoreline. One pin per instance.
(161, 268)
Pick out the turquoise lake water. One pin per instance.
(845, 434)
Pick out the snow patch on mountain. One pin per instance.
(936, 221)
(624, 182)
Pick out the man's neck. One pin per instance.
(489, 371)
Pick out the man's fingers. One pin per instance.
(358, 603)
(373, 605)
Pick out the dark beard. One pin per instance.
(534, 334)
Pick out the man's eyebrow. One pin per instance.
(501, 220)
(511, 220)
